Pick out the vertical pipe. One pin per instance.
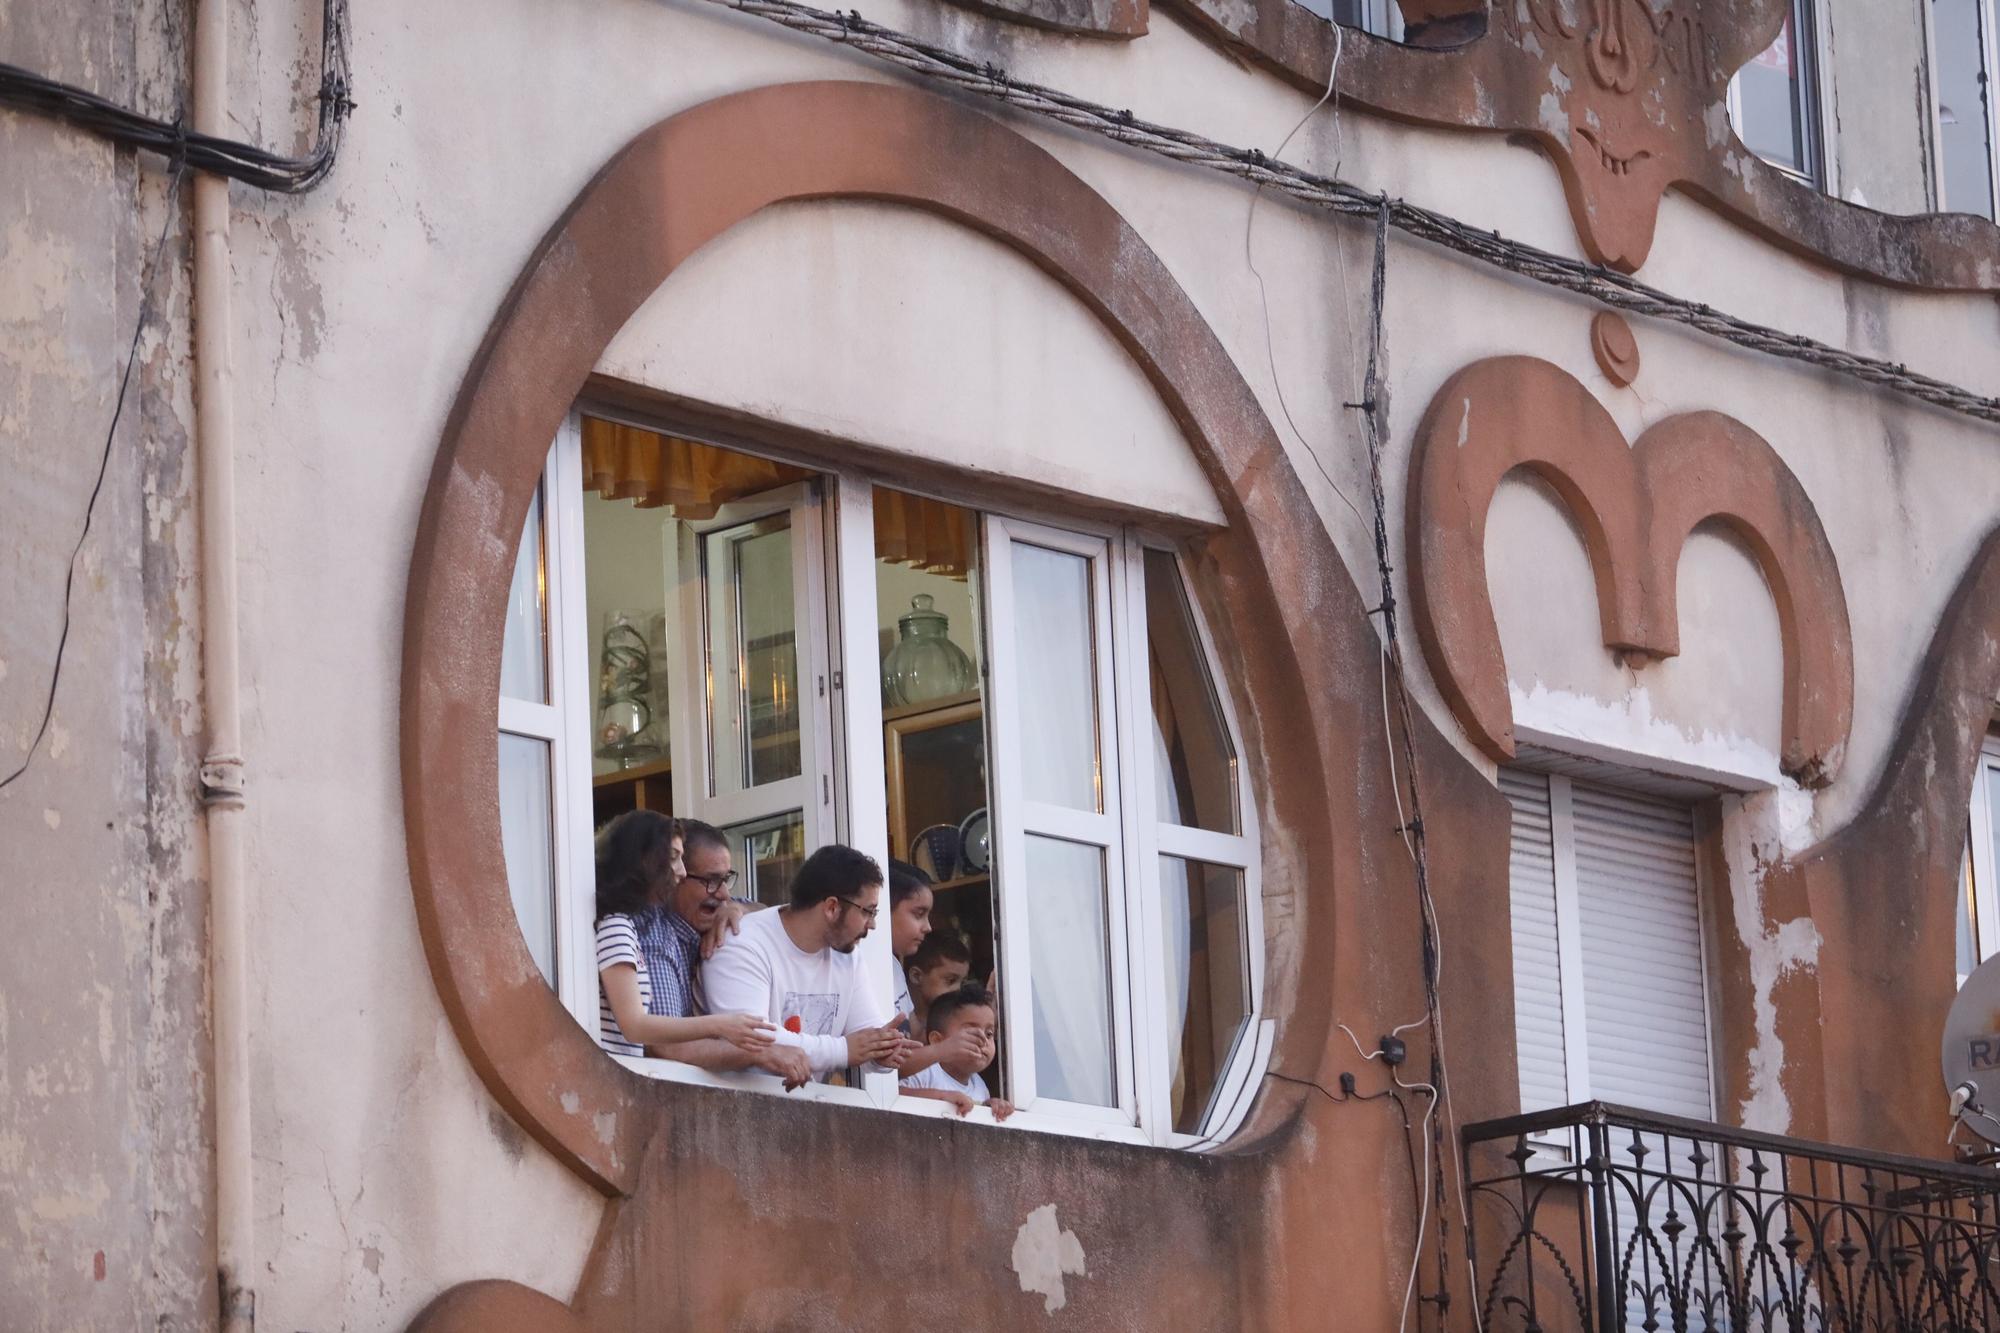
(222, 763)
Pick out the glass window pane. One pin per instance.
(1990, 774)
(1968, 917)
(527, 837)
(1053, 639)
(524, 656)
(753, 656)
(1208, 981)
(1770, 91)
(766, 853)
(1071, 966)
(1965, 123)
(1196, 763)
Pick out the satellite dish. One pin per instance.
(1972, 1051)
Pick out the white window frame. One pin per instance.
(834, 578)
(1569, 948)
(1814, 58)
(1985, 857)
(694, 676)
(1989, 64)
(570, 685)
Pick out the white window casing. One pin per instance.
(1620, 1012)
(1982, 856)
(840, 794)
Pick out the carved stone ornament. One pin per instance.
(1634, 508)
(1628, 98)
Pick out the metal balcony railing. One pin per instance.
(1599, 1218)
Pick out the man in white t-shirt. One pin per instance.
(797, 967)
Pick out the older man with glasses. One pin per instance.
(797, 967)
(683, 926)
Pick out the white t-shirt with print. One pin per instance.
(935, 1079)
(759, 970)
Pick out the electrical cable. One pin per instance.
(103, 468)
(24, 90)
(1264, 296)
(1417, 1176)
(1619, 291)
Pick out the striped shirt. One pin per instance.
(618, 944)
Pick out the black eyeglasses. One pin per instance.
(868, 912)
(720, 882)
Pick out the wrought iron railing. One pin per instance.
(1600, 1218)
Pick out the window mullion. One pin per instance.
(1985, 869)
(1010, 834)
(570, 681)
(1569, 939)
(1111, 752)
(1151, 1024)
(856, 704)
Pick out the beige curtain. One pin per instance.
(926, 534)
(663, 471)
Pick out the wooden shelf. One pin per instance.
(902, 711)
(658, 768)
(961, 882)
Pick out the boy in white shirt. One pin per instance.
(955, 1078)
(797, 967)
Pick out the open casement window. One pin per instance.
(1056, 797)
(1610, 997)
(1026, 707)
(544, 764)
(1774, 101)
(1129, 940)
(757, 740)
(1964, 56)
(1979, 885)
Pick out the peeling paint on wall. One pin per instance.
(1043, 1253)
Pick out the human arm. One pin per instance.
(787, 1062)
(728, 921)
(876, 1033)
(957, 1099)
(745, 1031)
(965, 1044)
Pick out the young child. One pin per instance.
(940, 965)
(954, 1017)
(636, 853)
(910, 902)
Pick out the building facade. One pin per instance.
(1425, 579)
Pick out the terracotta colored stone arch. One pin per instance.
(1883, 894)
(1635, 507)
(1299, 654)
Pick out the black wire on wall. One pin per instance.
(24, 90)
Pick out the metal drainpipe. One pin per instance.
(222, 764)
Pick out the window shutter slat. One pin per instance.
(1538, 1012)
(1640, 919)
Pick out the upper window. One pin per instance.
(1979, 885)
(1774, 100)
(1962, 64)
(1025, 708)
(1380, 17)
(1610, 1001)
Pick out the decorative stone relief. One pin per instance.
(1635, 507)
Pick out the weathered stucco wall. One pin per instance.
(104, 1164)
(385, 1171)
(387, 1174)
